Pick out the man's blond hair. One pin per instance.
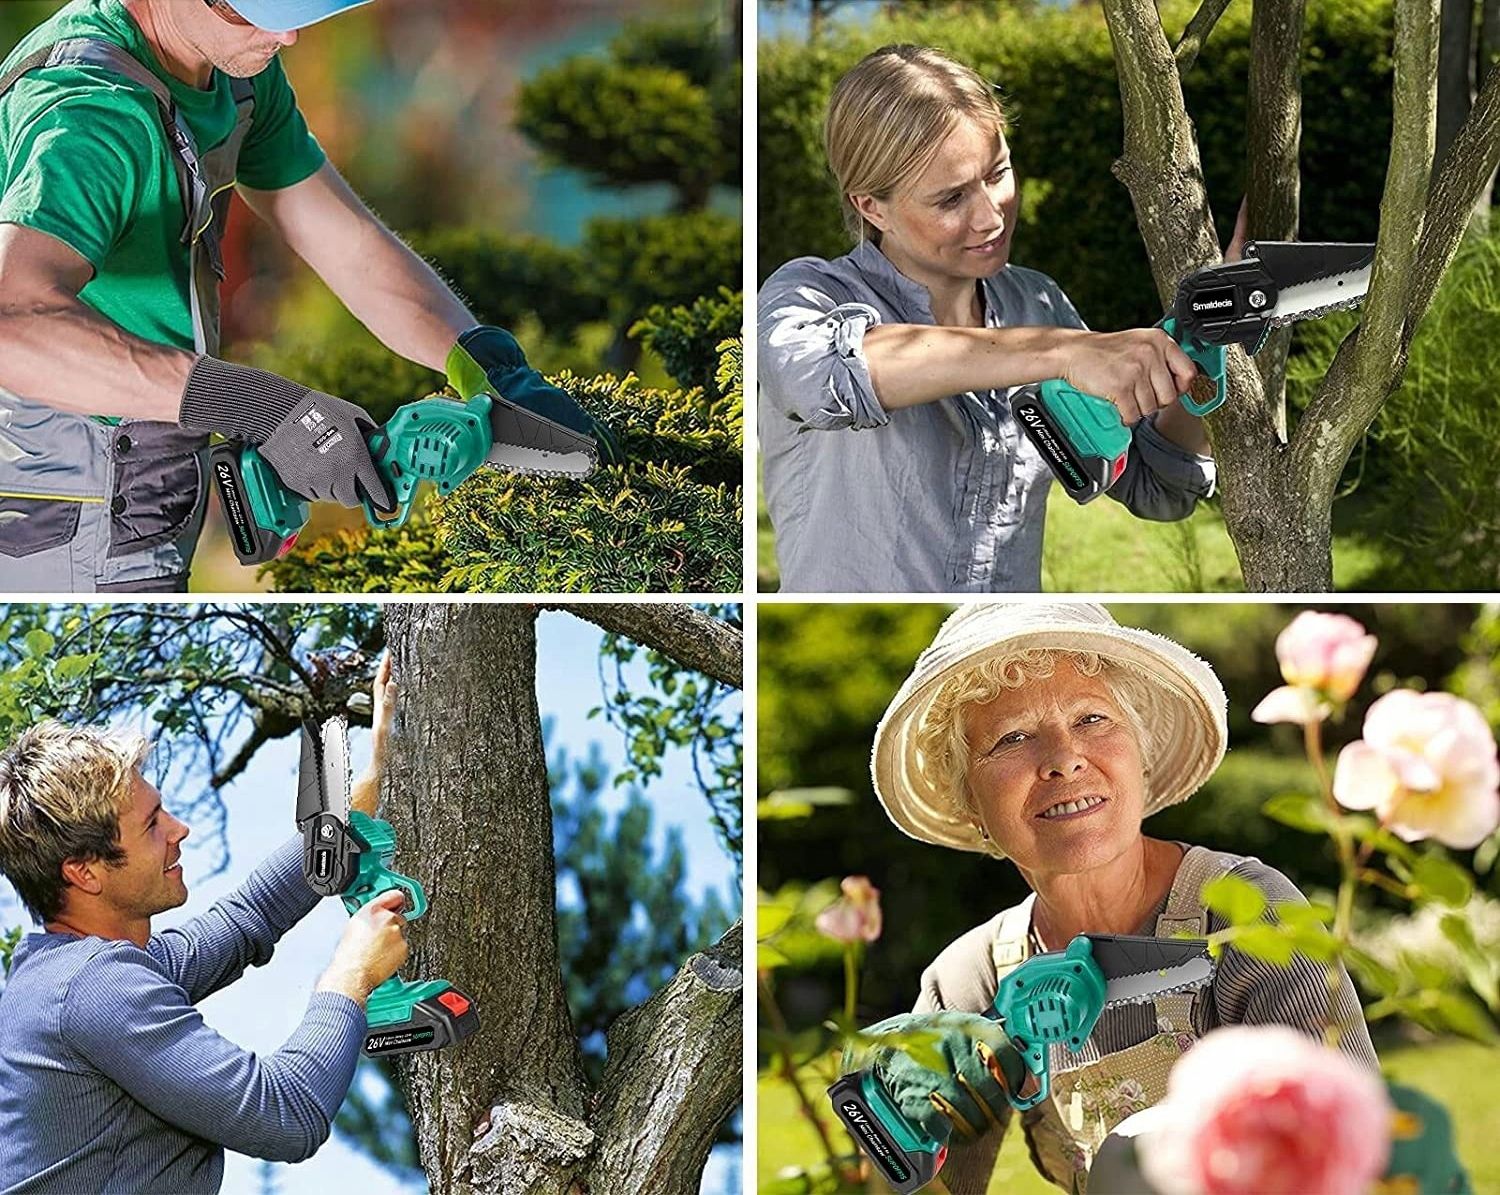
(62, 790)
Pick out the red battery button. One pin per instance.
(454, 1003)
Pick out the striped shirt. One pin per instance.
(111, 1081)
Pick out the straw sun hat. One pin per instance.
(1184, 718)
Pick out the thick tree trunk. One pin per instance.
(508, 1111)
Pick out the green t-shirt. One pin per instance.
(84, 158)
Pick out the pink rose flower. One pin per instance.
(1264, 1110)
(1328, 653)
(1323, 658)
(1291, 704)
(855, 916)
(1427, 766)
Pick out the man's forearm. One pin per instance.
(403, 302)
(59, 351)
(387, 287)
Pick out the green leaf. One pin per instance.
(1443, 879)
(1464, 1015)
(1365, 829)
(1295, 914)
(825, 796)
(1314, 941)
(1266, 943)
(38, 643)
(1374, 974)
(1301, 812)
(72, 667)
(768, 958)
(1237, 900)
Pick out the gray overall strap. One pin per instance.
(197, 202)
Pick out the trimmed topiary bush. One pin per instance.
(688, 339)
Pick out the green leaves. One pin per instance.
(1439, 878)
(1237, 900)
(1301, 812)
(790, 804)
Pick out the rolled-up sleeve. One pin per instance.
(812, 360)
(1162, 482)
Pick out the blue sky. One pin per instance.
(262, 1009)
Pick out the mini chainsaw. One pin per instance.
(438, 439)
(348, 854)
(1081, 436)
(1052, 999)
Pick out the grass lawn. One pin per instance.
(1103, 548)
(1463, 1074)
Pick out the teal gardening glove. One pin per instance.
(966, 1098)
(491, 358)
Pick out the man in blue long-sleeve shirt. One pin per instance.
(109, 1078)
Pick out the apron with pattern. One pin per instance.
(87, 506)
(1089, 1098)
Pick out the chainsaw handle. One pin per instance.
(403, 488)
(1208, 357)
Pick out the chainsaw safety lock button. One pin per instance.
(454, 1003)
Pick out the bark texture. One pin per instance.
(1278, 489)
(690, 637)
(509, 1112)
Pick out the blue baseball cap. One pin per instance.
(282, 16)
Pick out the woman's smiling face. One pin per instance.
(1055, 773)
(956, 218)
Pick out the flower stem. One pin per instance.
(851, 982)
(787, 1069)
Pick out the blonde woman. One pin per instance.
(1044, 733)
(914, 340)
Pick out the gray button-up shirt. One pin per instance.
(943, 497)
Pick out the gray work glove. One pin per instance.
(319, 451)
(314, 442)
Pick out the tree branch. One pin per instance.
(1197, 32)
(692, 638)
(1369, 366)
(1466, 172)
(673, 1077)
(1272, 177)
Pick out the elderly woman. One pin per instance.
(1045, 733)
(914, 341)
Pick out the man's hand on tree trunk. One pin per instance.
(364, 793)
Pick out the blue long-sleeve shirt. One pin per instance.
(111, 1081)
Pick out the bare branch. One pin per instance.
(1273, 181)
(692, 638)
(1467, 171)
(673, 1076)
(1197, 32)
(1368, 367)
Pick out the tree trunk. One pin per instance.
(466, 791)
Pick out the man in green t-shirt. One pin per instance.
(124, 127)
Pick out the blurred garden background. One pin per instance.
(1418, 508)
(573, 169)
(826, 674)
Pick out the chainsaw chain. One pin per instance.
(544, 473)
(1147, 997)
(1316, 312)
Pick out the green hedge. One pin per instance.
(669, 260)
(687, 339)
(1056, 71)
(668, 520)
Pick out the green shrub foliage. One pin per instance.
(668, 520)
(687, 339)
(669, 260)
(506, 278)
(664, 108)
(1056, 73)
